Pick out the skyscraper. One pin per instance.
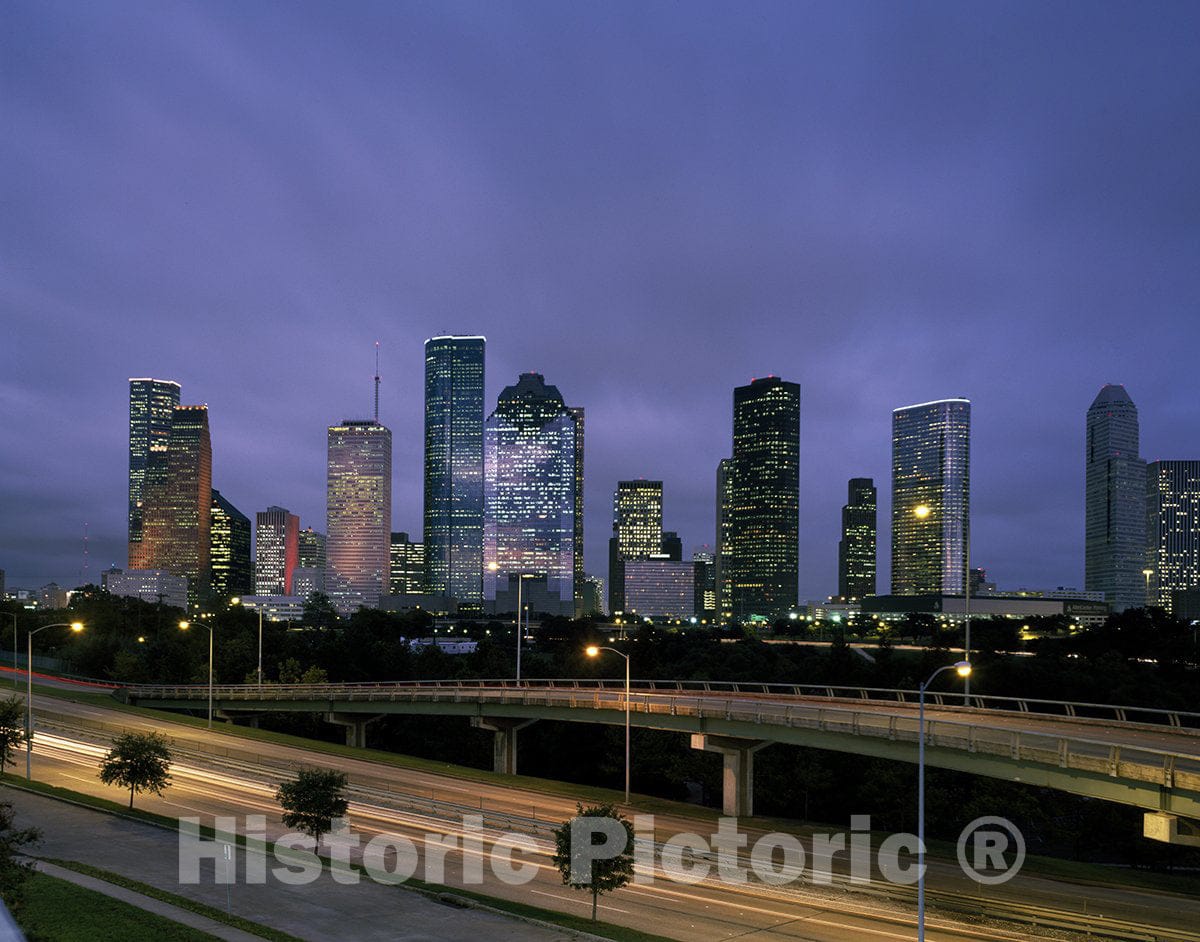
(1115, 513)
(637, 532)
(931, 497)
(152, 405)
(177, 503)
(724, 545)
(1172, 529)
(407, 566)
(454, 466)
(358, 514)
(857, 549)
(578, 415)
(229, 553)
(530, 491)
(277, 551)
(312, 549)
(764, 524)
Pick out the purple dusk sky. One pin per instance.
(649, 203)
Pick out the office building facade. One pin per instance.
(1172, 530)
(152, 405)
(453, 530)
(358, 514)
(931, 497)
(1115, 501)
(530, 492)
(857, 548)
(312, 549)
(229, 554)
(660, 588)
(764, 525)
(723, 549)
(637, 532)
(407, 566)
(277, 551)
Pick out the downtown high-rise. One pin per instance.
(358, 514)
(1172, 530)
(1115, 501)
(276, 551)
(453, 531)
(723, 548)
(531, 492)
(764, 511)
(152, 405)
(931, 497)
(177, 504)
(636, 534)
(857, 548)
(229, 554)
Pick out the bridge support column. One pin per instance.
(356, 727)
(504, 745)
(737, 783)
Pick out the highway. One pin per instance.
(241, 779)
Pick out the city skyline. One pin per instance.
(879, 229)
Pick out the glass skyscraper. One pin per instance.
(530, 491)
(358, 514)
(857, 549)
(407, 566)
(454, 467)
(1115, 521)
(637, 532)
(931, 497)
(229, 555)
(152, 405)
(1172, 529)
(764, 519)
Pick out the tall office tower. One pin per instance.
(229, 550)
(672, 546)
(723, 549)
(856, 551)
(312, 549)
(1172, 529)
(177, 503)
(152, 405)
(1115, 514)
(454, 467)
(277, 551)
(530, 488)
(931, 497)
(706, 580)
(407, 566)
(577, 414)
(764, 525)
(637, 532)
(358, 514)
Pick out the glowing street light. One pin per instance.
(593, 650)
(75, 626)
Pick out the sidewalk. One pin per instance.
(148, 903)
(319, 911)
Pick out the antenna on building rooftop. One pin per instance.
(377, 381)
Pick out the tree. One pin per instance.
(139, 762)
(12, 728)
(13, 872)
(312, 801)
(606, 874)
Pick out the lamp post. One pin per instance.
(963, 669)
(238, 601)
(594, 651)
(75, 626)
(184, 626)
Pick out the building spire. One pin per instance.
(377, 381)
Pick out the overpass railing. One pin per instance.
(1107, 712)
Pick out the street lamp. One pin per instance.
(184, 626)
(521, 577)
(921, 512)
(963, 669)
(1147, 573)
(76, 626)
(593, 650)
(237, 601)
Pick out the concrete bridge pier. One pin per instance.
(737, 782)
(504, 745)
(356, 726)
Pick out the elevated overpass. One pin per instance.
(1146, 758)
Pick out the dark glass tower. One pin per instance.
(1115, 543)
(856, 551)
(152, 405)
(931, 497)
(530, 491)
(454, 467)
(765, 499)
(229, 555)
